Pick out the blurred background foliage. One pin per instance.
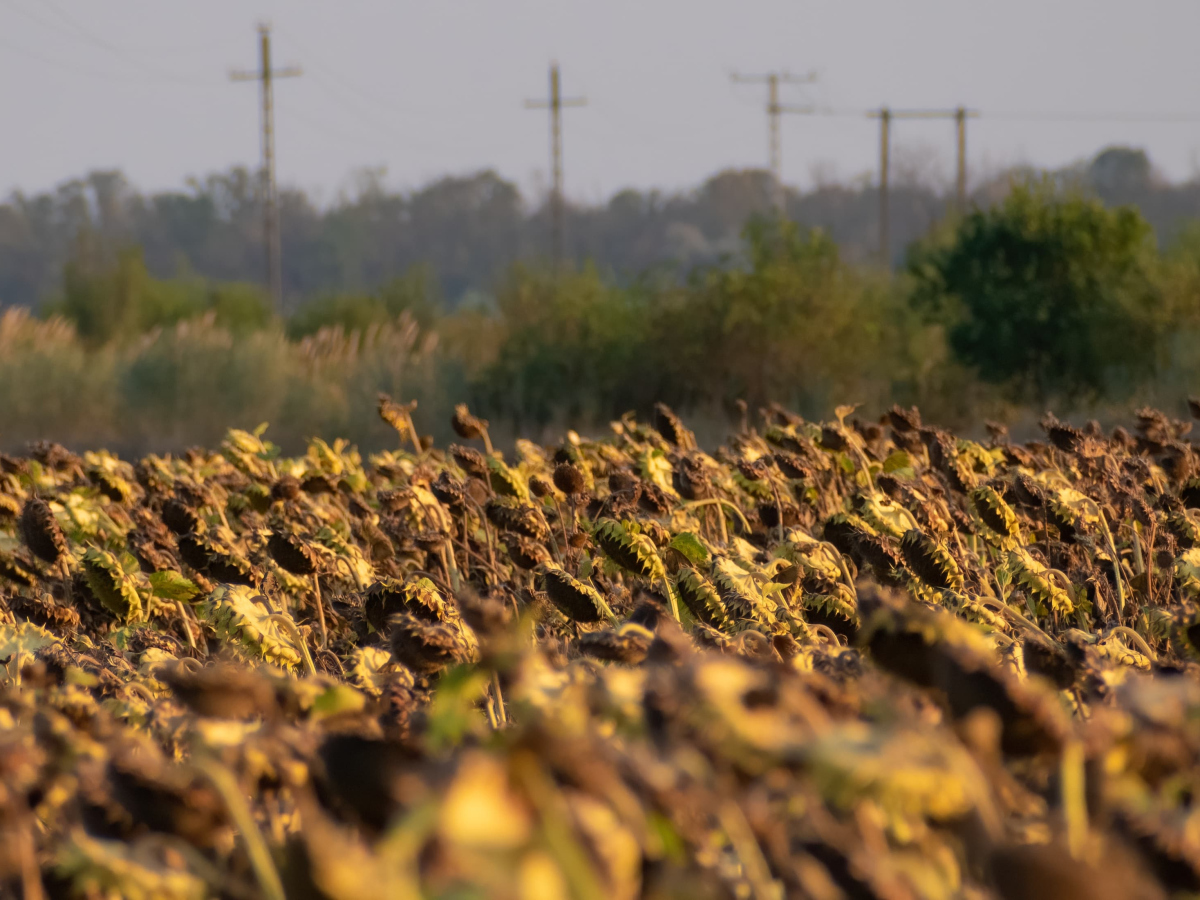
(1045, 296)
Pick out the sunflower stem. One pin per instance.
(723, 504)
(451, 568)
(320, 611)
(257, 850)
(500, 713)
(671, 598)
(778, 506)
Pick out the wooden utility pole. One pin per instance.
(960, 121)
(271, 237)
(885, 117)
(885, 137)
(774, 110)
(555, 103)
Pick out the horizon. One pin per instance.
(908, 170)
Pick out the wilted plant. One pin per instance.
(915, 659)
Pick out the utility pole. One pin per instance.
(774, 110)
(271, 238)
(885, 129)
(555, 103)
(960, 122)
(885, 116)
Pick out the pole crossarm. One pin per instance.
(247, 75)
(784, 77)
(924, 113)
(565, 101)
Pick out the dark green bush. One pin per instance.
(413, 293)
(124, 298)
(1047, 293)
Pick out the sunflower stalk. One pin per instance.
(259, 854)
(723, 504)
(320, 610)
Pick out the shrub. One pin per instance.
(1046, 293)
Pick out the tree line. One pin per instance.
(468, 230)
(1045, 299)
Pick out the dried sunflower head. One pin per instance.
(467, 426)
(930, 561)
(449, 490)
(626, 644)
(396, 414)
(569, 479)
(285, 488)
(41, 531)
(470, 461)
(389, 597)
(508, 514)
(670, 426)
(425, 647)
(291, 553)
(577, 600)
(180, 517)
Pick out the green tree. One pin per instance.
(566, 343)
(793, 322)
(1047, 293)
(239, 307)
(123, 299)
(414, 292)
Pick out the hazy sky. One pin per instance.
(427, 88)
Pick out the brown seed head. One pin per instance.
(41, 531)
(569, 479)
(465, 425)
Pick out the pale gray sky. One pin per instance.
(434, 87)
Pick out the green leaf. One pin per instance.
(371, 668)
(899, 463)
(338, 699)
(23, 639)
(691, 547)
(505, 481)
(454, 712)
(236, 615)
(111, 585)
(171, 585)
(654, 466)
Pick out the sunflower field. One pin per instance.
(842, 659)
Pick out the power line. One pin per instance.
(555, 103)
(368, 108)
(61, 66)
(78, 32)
(1147, 118)
(316, 61)
(271, 238)
(774, 109)
(377, 120)
(1160, 118)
